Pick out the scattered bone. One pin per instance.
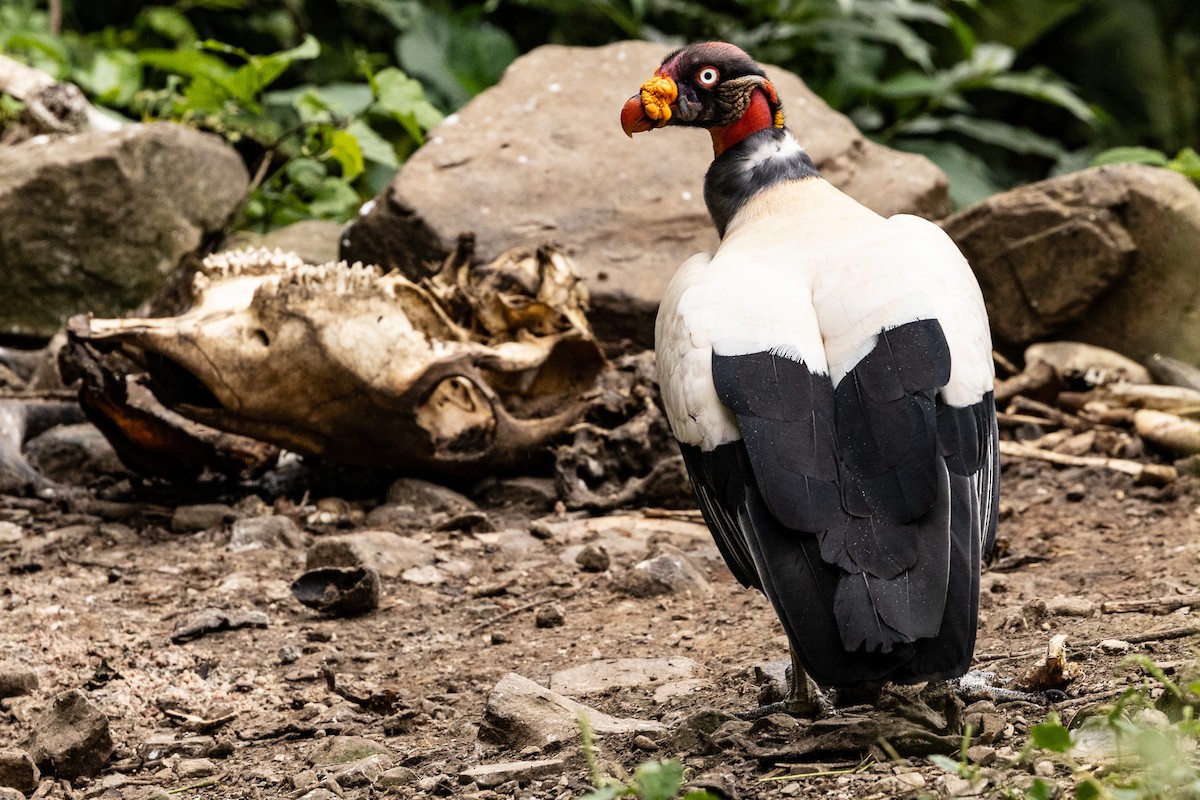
(1054, 671)
(1077, 363)
(1168, 431)
(340, 591)
(212, 620)
(1151, 474)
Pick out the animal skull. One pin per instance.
(467, 372)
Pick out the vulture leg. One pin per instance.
(804, 699)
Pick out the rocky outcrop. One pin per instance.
(1109, 256)
(541, 157)
(99, 221)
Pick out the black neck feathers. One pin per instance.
(762, 159)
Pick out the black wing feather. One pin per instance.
(860, 512)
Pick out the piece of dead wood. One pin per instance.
(1038, 380)
(680, 514)
(1150, 474)
(55, 107)
(1156, 605)
(1027, 405)
(512, 612)
(1164, 635)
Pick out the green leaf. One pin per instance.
(608, 792)
(344, 149)
(188, 62)
(970, 175)
(336, 199)
(1087, 789)
(113, 77)
(1051, 735)
(259, 72)
(1131, 155)
(404, 100)
(946, 763)
(989, 131)
(1039, 791)
(1041, 85)
(659, 780)
(1187, 162)
(169, 23)
(374, 147)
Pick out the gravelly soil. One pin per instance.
(89, 599)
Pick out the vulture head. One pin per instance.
(712, 85)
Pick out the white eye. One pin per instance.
(708, 76)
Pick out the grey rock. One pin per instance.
(214, 620)
(387, 553)
(692, 735)
(1107, 256)
(159, 746)
(669, 572)
(593, 558)
(549, 616)
(72, 739)
(193, 768)
(274, 530)
(1115, 646)
(428, 497)
(489, 776)
(622, 673)
(319, 794)
(200, 517)
(488, 171)
(10, 533)
(73, 454)
(314, 240)
(345, 749)
(364, 771)
(397, 777)
(1067, 606)
(17, 771)
(520, 713)
(16, 679)
(7, 793)
(99, 221)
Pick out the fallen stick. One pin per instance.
(1153, 474)
(1037, 379)
(1166, 634)
(1157, 605)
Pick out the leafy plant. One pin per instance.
(1155, 752)
(653, 780)
(1186, 162)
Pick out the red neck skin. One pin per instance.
(757, 117)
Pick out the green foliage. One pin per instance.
(1133, 751)
(653, 780)
(319, 150)
(1186, 162)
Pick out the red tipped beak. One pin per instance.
(633, 117)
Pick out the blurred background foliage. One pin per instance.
(325, 98)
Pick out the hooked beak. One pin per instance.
(650, 107)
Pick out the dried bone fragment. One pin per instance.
(1054, 671)
(465, 373)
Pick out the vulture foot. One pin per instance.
(804, 698)
(977, 685)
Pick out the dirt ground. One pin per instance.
(92, 592)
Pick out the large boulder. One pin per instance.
(1109, 256)
(542, 157)
(99, 221)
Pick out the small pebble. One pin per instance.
(1044, 768)
(193, 768)
(593, 558)
(1076, 492)
(289, 654)
(549, 616)
(1115, 646)
(645, 743)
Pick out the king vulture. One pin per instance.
(828, 374)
